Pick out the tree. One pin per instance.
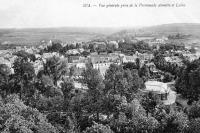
(138, 64)
(67, 87)
(98, 128)
(78, 108)
(92, 78)
(49, 104)
(193, 50)
(4, 70)
(168, 77)
(149, 103)
(85, 53)
(123, 82)
(144, 72)
(4, 79)
(24, 75)
(25, 56)
(171, 120)
(177, 122)
(134, 119)
(194, 126)
(161, 64)
(55, 47)
(142, 122)
(134, 83)
(72, 71)
(114, 81)
(188, 83)
(113, 105)
(93, 98)
(17, 117)
(129, 65)
(194, 110)
(55, 68)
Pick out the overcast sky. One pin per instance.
(60, 13)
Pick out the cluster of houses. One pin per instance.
(101, 62)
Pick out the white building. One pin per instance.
(102, 67)
(156, 87)
(158, 90)
(126, 59)
(80, 65)
(73, 51)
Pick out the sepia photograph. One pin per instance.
(99, 66)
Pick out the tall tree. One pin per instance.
(114, 81)
(67, 87)
(55, 47)
(188, 83)
(55, 68)
(144, 72)
(93, 98)
(4, 79)
(123, 82)
(24, 74)
(138, 63)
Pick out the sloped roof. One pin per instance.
(155, 86)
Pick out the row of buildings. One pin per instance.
(102, 61)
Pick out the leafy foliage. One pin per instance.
(98, 128)
(188, 83)
(55, 68)
(17, 117)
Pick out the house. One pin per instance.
(162, 40)
(73, 59)
(145, 56)
(101, 62)
(99, 59)
(73, 52)
(12, 59)
(162, 92)
(78, 72)
(113, 44)
(191, 57)
(93, 53)
(49, 55)
(77, 59)
(102, 67)
(126, 59)
(114, 57)
(38, 65)
(174, 59)
(80, 65)
(157, 41)
(78, 85)
(159, 90)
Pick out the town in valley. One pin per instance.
(144, 80)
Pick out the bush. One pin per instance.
(98, 128)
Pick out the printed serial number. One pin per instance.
(86, 5)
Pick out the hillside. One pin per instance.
(69, 34)
(65, 34)
(166, 29)
(190, 31)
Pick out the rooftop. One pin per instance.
(155, 86)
